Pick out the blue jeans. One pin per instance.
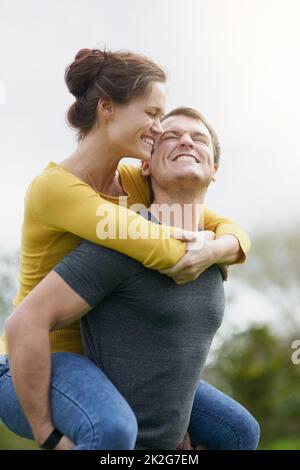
(93, 414)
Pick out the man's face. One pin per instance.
(184, 152)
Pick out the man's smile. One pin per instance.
(185, 157)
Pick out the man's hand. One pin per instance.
(200, 255)
(186, 443)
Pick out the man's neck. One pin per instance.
(179, 209)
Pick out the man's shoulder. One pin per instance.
(94, 254)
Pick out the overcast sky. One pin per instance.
(237, 61)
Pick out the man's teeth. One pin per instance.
(148, 140)
(185, 158)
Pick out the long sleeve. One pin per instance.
(212, 221)
(63, 203)
(222, 226)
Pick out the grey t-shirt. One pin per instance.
(149, 335)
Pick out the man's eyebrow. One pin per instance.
(200, 134)
(194, 134)
(171, 131)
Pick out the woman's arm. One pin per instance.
(222, 226)
(61, 202)
(211, 220)
(225, 250)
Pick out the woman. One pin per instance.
(119, 100)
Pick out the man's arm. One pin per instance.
(78, 283)
(52, 304)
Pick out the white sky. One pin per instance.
(237, 61)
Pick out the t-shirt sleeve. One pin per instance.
(93, 271)
(66, 204)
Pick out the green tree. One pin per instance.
(255, 368)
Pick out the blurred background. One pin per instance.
(236, 61)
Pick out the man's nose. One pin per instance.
(186, 141)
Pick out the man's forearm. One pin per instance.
(30, 363)
(227, 250)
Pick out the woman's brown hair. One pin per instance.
(94, 74)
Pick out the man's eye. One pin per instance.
(151, 114)
(170, 137)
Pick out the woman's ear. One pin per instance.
(105, 108)
(146, 168)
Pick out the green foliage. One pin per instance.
(284, 444)
(10, 441)
(255, 368)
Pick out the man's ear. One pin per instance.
(216, 167)
(146, 168)
(105, 108)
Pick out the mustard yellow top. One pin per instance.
(61, 209)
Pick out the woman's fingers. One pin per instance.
(183, 235)
(208, 235)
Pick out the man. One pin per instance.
(148, 335)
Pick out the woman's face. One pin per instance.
(134, 127)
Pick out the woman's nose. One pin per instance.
(157, 127)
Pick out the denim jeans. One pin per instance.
(88, 408)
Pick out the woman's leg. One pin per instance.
(218, 422)
(86, 406)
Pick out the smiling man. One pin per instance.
(147, 334)
(184, 162)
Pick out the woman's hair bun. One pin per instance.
(81, 73)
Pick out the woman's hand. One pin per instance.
(201, 254)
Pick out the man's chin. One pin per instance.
(189, 175)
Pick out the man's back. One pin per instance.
(150, 336)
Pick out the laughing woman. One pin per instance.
(119, 99)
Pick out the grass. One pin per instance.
(10, 441)
(283, 444)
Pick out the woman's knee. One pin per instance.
(249, 431)
(220, 422)
(117, 431)
(88, 407)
